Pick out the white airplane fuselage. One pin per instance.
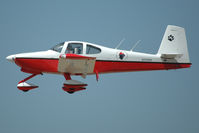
(83, 58)
(107, 61)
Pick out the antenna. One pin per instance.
(120, 43)
(135, 45)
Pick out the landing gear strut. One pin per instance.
(22, 85)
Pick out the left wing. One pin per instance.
(76, 64)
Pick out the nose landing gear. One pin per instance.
(22, 85)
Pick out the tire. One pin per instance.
(72, 90)
(25, 90)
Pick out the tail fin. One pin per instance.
(174, 44)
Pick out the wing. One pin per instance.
(76, 64)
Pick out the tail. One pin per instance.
(174, 45)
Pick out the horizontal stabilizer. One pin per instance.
(170, 56)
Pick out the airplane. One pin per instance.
(80, 58)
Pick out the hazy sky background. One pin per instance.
(140, 102)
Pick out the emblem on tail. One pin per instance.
(170, 37)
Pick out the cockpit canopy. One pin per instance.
(77, 48)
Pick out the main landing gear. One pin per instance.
(72, 86)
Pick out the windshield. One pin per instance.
(58, 47)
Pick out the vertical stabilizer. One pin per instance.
(174, 44)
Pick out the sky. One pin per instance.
(153, 102)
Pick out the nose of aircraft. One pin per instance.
(11, 58)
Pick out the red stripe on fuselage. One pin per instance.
(35, 65)
(123, 66)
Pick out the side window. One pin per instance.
(74, 48)
(92, 50)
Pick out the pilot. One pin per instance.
(69, 49)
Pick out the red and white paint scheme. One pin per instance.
(83, 58)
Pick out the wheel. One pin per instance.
(71, 90)
(25, 90)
